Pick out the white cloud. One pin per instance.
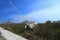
(17, 18)
(51, 13)
(38, 4)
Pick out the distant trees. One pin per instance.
(43, 31)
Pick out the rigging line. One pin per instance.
(16, 9)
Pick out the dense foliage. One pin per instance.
(43, 31)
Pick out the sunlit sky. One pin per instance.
(32, 10)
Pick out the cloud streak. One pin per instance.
(17, 18)
(51, 13)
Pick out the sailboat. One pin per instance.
(28, 24)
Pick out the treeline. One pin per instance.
(43, 31)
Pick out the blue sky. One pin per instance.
(32, 10)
